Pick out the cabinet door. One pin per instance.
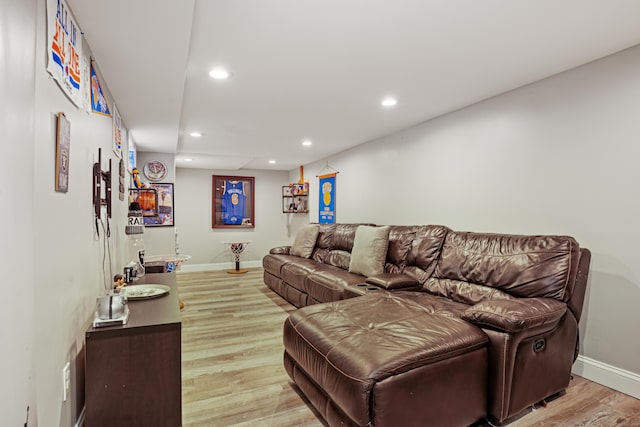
(134, 379)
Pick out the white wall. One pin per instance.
(193, 208)
(559, 156)
(54, 263)
(17, 50)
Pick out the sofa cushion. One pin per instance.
(467, 293)
(516, 315)
(305, 241)
(522, 266)
(369, 250)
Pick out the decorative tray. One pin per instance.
(134, 292)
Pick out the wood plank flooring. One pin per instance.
(232, 372)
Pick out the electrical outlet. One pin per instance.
(66, 380)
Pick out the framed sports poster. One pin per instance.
(327, 203)
(156, 203)
(233, 201)
(63, 141)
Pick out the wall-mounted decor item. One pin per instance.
(295, 198)
(327, 203)
(117, 132)
(155, 170)
(63, 141)
(64, 50)
(233, 201)
(98, 100)
(121, 181)
(327, 193)
(156, 202)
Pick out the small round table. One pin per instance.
(236, 249)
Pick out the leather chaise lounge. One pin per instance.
(438, 328)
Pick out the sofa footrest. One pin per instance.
(380, 360)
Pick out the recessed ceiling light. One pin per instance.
(188, 160)
(273, 162)
(195, 134)
(389, 102)
(219, 74)
(307, 143)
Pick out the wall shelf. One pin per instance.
(295, 198)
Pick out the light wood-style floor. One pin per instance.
(232, 372)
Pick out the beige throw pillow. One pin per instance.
(305, 241)
(369, 251)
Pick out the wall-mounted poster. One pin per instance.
(327, 205)
(98, 100)
(156, 202)
(233, 202)
(63, 142)
(117, 133)
(64, 50)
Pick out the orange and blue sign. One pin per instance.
(64, 48)
(98, 100)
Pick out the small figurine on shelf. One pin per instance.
(118, 282)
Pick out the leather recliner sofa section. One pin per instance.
(465, 326)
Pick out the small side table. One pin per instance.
(236, 249)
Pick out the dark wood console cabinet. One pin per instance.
(133, 371)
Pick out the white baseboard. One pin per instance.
(610, 376)
(190, 268)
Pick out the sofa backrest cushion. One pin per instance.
(323, 243)
(521, 266)
(339, 251)
(369, 250)
(343, 237)
(425, 251)
(305, 241)
(400, 238)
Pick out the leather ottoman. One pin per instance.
(383, 360)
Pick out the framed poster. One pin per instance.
(156, 203)
(63, 141)
(327, 203)
(233, 201)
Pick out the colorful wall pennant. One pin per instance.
(327, 205)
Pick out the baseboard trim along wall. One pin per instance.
(192, 268)
(618, 379)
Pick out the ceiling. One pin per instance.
(318, 69)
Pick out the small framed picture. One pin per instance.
(63, 141)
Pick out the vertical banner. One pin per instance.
(117, 133)
(327, 205)
(64, 50)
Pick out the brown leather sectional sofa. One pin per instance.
(459, 327)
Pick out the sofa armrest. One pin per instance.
(281, 250)
(516, 315)
(390, 281)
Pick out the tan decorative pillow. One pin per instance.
(369, 250)
(305, 241)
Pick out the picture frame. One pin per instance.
(157, 203)
(233, 201)
(63, 142)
